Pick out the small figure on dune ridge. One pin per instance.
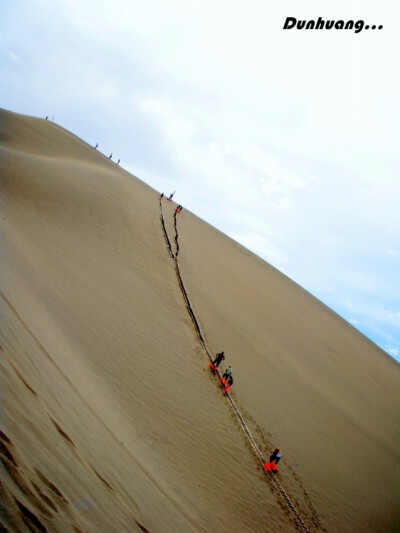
(171, 196)
(110, 156)
(97, 144)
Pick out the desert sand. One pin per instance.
(110, 418)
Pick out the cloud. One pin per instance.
(105, 92)
(15, 58)
(261, 246)
(391, 350)
(393, 253)
(255, 223)
(246, 173)
(392, 317)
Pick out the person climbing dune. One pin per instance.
(220, 357)
(229, 383)
(274, 459)
(276, 455)
(227, 374)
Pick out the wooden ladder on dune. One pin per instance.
(299, 522)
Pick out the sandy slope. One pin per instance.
(110, 419)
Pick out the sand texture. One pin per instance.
(110, 419)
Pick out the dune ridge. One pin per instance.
(110, 419)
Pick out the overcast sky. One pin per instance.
(286, 140)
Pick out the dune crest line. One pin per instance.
(277, 485)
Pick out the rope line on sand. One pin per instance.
(277, 485)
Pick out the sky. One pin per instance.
(285, 140)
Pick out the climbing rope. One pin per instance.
(277, 485)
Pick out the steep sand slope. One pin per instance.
(110, 419)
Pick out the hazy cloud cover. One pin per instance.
(285, 140)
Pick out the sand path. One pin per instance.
(274, 482)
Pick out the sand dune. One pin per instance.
(110, 418)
